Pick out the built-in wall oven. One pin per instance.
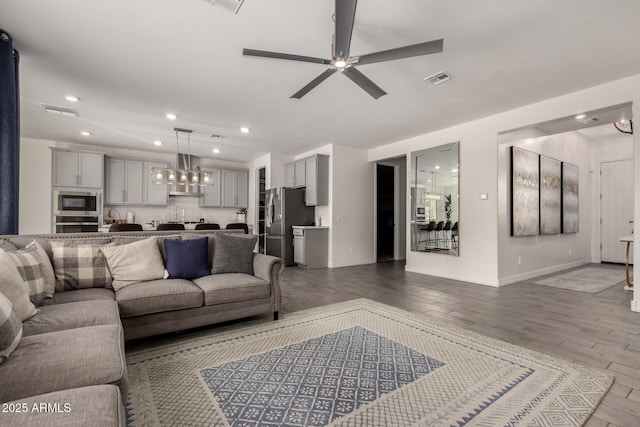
(76, 212)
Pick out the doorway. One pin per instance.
(391, 209)
(616, 204)
(385, 218)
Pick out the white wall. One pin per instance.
(35, 186)
(478, 260)
(544, 254)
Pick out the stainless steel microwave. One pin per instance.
(76, 203)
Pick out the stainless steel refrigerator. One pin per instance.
(285, 208)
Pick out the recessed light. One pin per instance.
(171, 116)
(72, 98)
(216, 151)
(85, 133)
(454, 170)
(580, 116)
(437, 167)
(244, 129)
(157, 143)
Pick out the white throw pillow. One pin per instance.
(14, 288)
(134, 262)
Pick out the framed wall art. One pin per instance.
(570, 201)
(550, 195)
(525, 192)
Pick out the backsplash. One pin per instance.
(146, 214)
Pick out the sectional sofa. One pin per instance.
(69, 366)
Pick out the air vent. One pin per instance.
(230, 5)
(214, 136)
(439, 77)
(64, 111)
(589, 120)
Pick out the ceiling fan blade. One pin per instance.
(434, 46)
(313, 83)
(363, 81)
(287, 56)
(345, 14)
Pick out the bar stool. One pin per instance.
(166, 226)
(125, 227)
(207, 226)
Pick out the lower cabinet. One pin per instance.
(311, 246)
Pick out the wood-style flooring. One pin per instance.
(592, 329)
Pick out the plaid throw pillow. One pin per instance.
(10, 328)
(27, 261)
(79, 267)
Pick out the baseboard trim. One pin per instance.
(635, 305)
(537, 273)
(471, 281)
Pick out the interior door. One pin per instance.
(616, 190)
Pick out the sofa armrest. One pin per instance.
(269, 268)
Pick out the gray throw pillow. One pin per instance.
(233, 253)
(47, 269)
(14, 288)
(10, 328)
(28, 264)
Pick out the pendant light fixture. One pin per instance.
(186, 176)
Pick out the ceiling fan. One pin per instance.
(345, 11)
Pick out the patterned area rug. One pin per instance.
(357, 363)
(590, 279)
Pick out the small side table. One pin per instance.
(629, 241)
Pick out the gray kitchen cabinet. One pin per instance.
(235, 188)
(124, 182)
(154, 194)
(294, 174)
(77, 169)
(212, 193)
(317, 180)
(311, 246)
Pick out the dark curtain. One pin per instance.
(9, 136)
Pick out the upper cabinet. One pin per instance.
(313, 174)
(294, 174)
(77, 169)
(212, 193)
(154, 194)
(317, 180)
(124, 182)
(235, 188)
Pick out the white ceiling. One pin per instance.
(131, 62)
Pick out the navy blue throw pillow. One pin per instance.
(187, 259)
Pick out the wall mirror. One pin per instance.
(435, 200)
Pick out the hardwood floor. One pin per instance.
(592, 329)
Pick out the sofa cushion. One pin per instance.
(7, 246)
(232, 287)
(10, 328)
(187, 259)
(99, 405)
(158, 295)
(29, 266)
(79, 267)
(134, 262)
(59, 317)
(210, 242)
(233, 253)
(88, 294)
(124, 240)
(13, 287)
(63, 360)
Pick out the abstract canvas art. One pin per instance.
(550, 196)
(570, 205)
(525, 192)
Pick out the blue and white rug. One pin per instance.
(357, 363)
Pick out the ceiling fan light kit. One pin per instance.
(345, 11)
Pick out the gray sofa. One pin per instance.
(72, 354)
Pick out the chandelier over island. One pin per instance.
(183, 174)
